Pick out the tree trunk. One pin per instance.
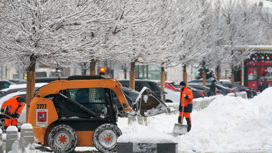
(30, 87)
(92, 67)
(143, 71)
(84, 70)
(132, 75)
(185, 73)
(125, 73)
(226, 75)
(204, 78)
(162, 78)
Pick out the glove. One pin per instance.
(185, 96)
(16, 116)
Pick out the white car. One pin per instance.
(172, 96)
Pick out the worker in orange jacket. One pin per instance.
(187, 94)
(12, 109)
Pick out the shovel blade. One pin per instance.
(179, 129)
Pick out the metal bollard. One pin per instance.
(12, 139)
(1, 142)
(26, 136)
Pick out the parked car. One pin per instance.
(171, 85)
(250, 92)
(172, 96)
(197, 93)
(18, 88)
(5, 84)
(197, 90)
(139, 84)
(131, 96)
(220, 88)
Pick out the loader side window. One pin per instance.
(91, 98)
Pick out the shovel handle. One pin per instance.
(12, 118)
(183, 108)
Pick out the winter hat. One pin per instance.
(182, 83)
(214, 81)
(20, 99)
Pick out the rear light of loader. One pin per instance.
(161, 95)
(231, 91)
(202, 94)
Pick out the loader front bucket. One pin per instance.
(148, 104)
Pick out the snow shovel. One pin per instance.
(180, 129)
(13, 118)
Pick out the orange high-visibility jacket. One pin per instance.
(12, 104)
(189, 93)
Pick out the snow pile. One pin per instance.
(232, 124)
(228, 124)
(27, 126)
(12, 128)
(143, 134)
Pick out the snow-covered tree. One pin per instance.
(44, 31)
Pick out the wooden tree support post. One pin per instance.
(162, 78)
(30, 84)
(132, 76)
(184, 75)
(232, 77)
(204, 78)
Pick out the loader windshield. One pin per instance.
(92, 98)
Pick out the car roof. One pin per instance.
(19, 86)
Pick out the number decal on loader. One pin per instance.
(41, 106)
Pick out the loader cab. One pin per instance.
(96, 100)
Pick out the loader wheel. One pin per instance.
(62, 138)
(105, 137)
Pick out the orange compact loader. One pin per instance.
(80, 111)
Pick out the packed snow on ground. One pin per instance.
(228, 124)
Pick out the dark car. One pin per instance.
(202, 90)
(5, 84)
(197, 93)
(139, 84)
(250, 92)
(220, 88)
(131, 96)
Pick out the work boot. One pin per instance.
(188, 127)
